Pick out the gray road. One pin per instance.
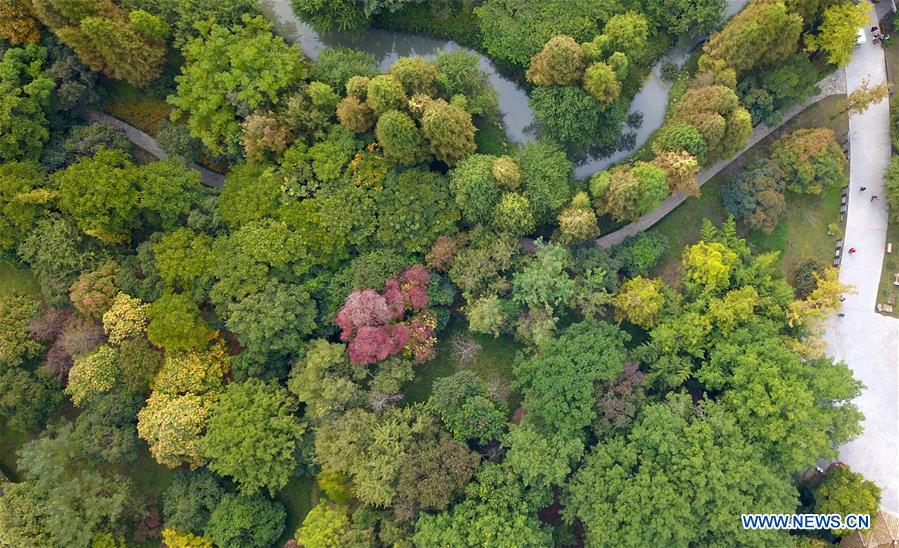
(865, 340)
(148, 143)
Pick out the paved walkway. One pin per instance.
(834, 84)
(148, 143)
(869, 342)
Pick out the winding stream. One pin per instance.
(518, 119)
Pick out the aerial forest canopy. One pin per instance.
(382, 304)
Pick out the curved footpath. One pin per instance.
(148, 143)
(834, 84)
(867, 341)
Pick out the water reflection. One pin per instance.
(517, 117)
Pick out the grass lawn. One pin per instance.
(10, 441)
(493, 363)
(890, 260)
(890, 268)
(297, 499)
(14, 279)
(800, 236)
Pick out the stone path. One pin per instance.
(834, 84)
(869, 342)
(148, 143)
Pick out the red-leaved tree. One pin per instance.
(396, 321)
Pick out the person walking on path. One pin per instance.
(862, 189)
(873, 197)
(852, 250)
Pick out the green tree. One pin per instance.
(28, 400)
(387, 474)
(189, 500)
(573, 117)
(459, 73)
(514, 214)
(761, 379)
(226, 66)
(188, 13)
(846, 492)
(756, 197)
(640, 253)
(602, 82)
(557, 382)
(16, 347)
(93, 374)
(635, 191)
(627, 33)
(334, 66)
(184, 259)
(515, 30)
(105, 431)
(23, 194)
(413, 230)
(560, 62)
(167, 190)
(65, 501)
(544, 282)
(121, 44)
(686, 18)
(891, 180)
(680, 136)
(837, 34)
(324, 526)
(640, 301)
(763, 33)
(173, 426)
(681, 453)
(399, 137)
(245, 520)
(545, 179)
(175, 323)
(416, 74)
(324, 381)
(57, 253)
(462, 403)
(541, 460)
(250, 193)
(449, 131)
(273, 322)
(252, 434)
(809, 161)
(100, 194)
(130, 48)
(139, 362)
(498, 511)
(474, 188)
(385, 92)
(577, 223)
(716, 113)
(26, 93)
